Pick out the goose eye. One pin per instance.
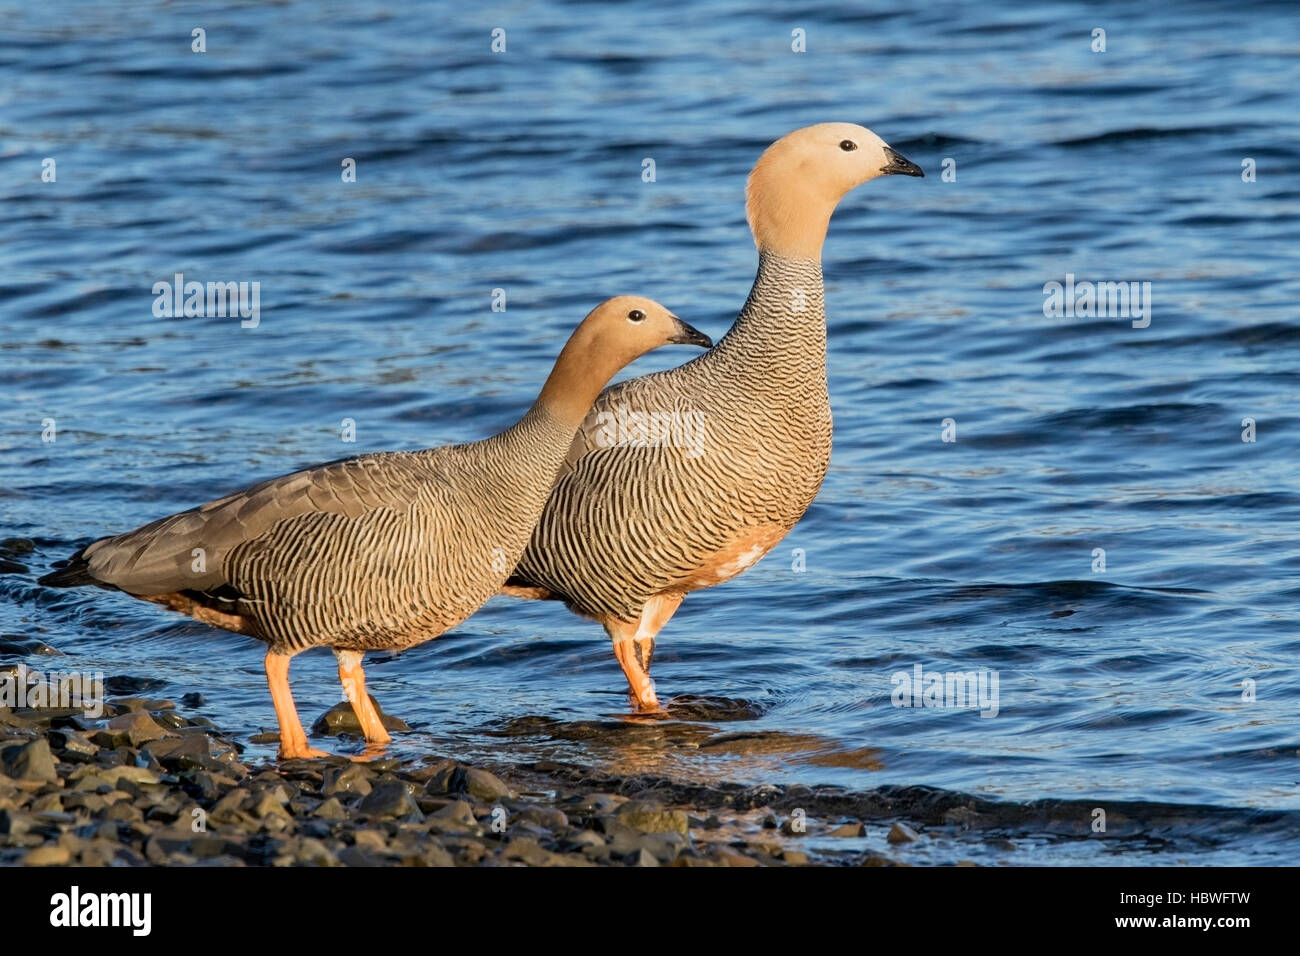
(636, 315)
(848, 145)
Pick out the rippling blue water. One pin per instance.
(522, 171)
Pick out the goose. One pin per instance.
(377, 552)
(635, 524)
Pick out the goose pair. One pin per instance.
(405, 546)
(380, 551)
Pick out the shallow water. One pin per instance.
(522, 172)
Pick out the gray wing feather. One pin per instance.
(160, 557)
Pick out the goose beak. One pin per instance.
(686, 335)
(899, 166)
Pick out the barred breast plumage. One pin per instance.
(627, 523)
(635, 522)
(379, 551)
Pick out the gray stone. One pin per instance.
(483, 785)
(902, 833)
(330, 809)
(848, 830)
(390, 800)
(48, 856)
(652, 818)
(31, 761)
(351, 779)
(342, 719)
(643, 857)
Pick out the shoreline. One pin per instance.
(148, 784)
(144, 784)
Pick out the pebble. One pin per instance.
(342, 719)
(30, 761)
(390, 800)
(651, 818)
(47, 856)
(902, 833)
(848, 830)
(483, 785)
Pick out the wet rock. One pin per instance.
(228, 809)
(527, 850)
(350, 779)
(91, 777)
(795, 858)
(446, 776)
(130, 730)
(711, 822)
(330, 809)
(193, 699)
(73, 745)
(206, 785)
(483, 785)
(962, 817)
(23, 646)
(142, 704)
(624, 840)
(457, 812)
(390, 800)
(643, 857)
(795, 826)
(30, 761)
(547, 817)
(847, 830)
(594, 804)
(128, 685)
(651, 818)
(266, 804)
(170, 720)
(456, 817)
(191, 752)
(342, 719)
(902, 833)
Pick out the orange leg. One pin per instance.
(634, 646)
(353, 679)
(293, 739)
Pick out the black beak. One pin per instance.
(899, 166)
(686, 335)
